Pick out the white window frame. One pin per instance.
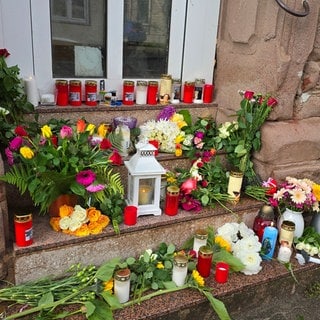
(69, 18)
(25, 32)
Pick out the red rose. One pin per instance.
(4, 53)
(116, 158)
(20, 131)
(272, 102)
(105, 144)
(248, 95)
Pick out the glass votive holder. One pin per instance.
(130, 215)
(222, 272)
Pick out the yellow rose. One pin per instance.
(26, 152)
(103, 130)
(46, 131)
(91, 127)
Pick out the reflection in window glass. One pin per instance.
(78, 49)
(146, 38)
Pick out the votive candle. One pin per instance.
(222, 272)
(204, 261)
(122, 285)
(180, 269)
(145, 193)
(130, 215)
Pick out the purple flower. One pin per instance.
(15, 143)
(85, 177)
(95, 188)
(191, 204)
(199, 134)
(66, 132)
(9, 155)
(166, 113)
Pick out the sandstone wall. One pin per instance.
(262, 48)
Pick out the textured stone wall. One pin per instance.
(264, 49)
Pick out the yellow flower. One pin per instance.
(198, 278)
(171, 180)
(46, 131)
(102, 130)
(83, 231)
(316, 191)
(65, 211)
(179, 138)
(223, 243)
(160, 265)
(91, 127)
(93, 214)
(95, 227)
(26, 152)
(54, 223)
(178, 152)
(108, 285)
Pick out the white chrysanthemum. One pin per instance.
(251, 260)
(229, 231)
(313, 251)
(300, 246)
(245, 231)
(250, 243)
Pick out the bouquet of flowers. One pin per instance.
(63, 159)
(244, 244)
(297, 194)
(241, 137)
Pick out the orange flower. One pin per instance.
(65, 211)
(103, 220)
(93, 214)
(81, 125)
(95, 227)
(54, 223)
(83, 231)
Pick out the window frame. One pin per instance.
(195, 42)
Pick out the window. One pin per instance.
(187, 38)
(70, 11)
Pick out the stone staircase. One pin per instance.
(52, 253)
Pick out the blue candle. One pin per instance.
(269, 241)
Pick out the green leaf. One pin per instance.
(101, 312)
(47, 298)
(169, 285)
(130, 261)
(105, 272)
(112, 300)
(218, 306)
(90, 307)
(225, 256)
(171, 248)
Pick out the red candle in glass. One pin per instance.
(75, 92)
(128, 93)
(155, 143)
(222, 272)
(172, 201)
(208, 93)
(152, 92)
(204, 261)
(91, 92)
(130, 215)
(62, 92)
(23, 230)
(188, 92)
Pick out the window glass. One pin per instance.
(146, 38)
(78, 49)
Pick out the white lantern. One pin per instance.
(144, 180)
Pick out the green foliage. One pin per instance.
(13, 101)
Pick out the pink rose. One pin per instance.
(189, 185)
(66, 132)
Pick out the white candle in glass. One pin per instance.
(180, 270)
(122, 285)
(145, 193)
(31, 90)
(199, 240)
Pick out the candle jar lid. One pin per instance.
(128, 83)
(122, 275)
(266, 212)
(75, 82)
(180, 260)
(189, 83)
(61, 82)
(205, 251)
(201, 234)
(166, 76)
(199, 81)
(23, 217)
(236, 174)
(90, 82)
(141, 83)
(173, 190)
(153, 83)
(176, 81)
(288, 225)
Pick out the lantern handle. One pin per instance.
(295, 13)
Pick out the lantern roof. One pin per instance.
(143, 162)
